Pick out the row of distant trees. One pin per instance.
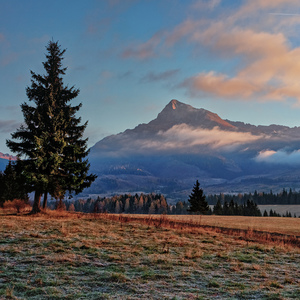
(13, 193)
(132, 204)
(157, 204)
(283, 197)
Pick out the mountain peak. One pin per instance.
(174, 103)
(177, 112)
(177, 105)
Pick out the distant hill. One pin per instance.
(4, 158)
(184, 143)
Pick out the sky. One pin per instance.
(130, 58)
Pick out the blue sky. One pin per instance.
(239, 59)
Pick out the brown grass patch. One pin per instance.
(71, 256)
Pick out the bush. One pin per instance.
(16, 204)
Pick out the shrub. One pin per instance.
(16, 204)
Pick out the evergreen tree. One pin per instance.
(217, 210)
(12, 184)
(197, 200)
(2, 189)
(51, 142)
(226, 208)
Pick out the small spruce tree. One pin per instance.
(12, 184)
(197, 201)
(218, 210)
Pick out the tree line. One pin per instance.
(13, 189)
(157, 204)
(132, 204)
(284, 197)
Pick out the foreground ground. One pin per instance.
(79, 257)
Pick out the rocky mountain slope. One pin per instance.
(184, 143)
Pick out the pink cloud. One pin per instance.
(144, 50)
(269, 66)
(220, 85)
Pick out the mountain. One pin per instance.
(4, 158)
(184, 144)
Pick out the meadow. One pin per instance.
(79, 256)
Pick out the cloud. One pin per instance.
(206, 4)
(8, 126)
(151, 76)
(144, 50)
(268, 68)
(184, 136)
(279, 157)
(178, 139)
(266, 64)
(10, 108)
(220, 85)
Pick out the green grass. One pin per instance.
(49, 257)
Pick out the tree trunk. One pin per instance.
(36, 204)
(45, 200)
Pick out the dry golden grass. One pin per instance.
(290, 226)
(76, 256)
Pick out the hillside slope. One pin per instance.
(184, 143)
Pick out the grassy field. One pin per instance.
(73, 256)
(289, 226)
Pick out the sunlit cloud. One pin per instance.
(185, 136)
(268, 70)
(8, 126)
(220, 85)
(269, 65)
(279, 157)
(180, 138)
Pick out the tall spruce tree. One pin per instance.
(197, 201)
(51, 142)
